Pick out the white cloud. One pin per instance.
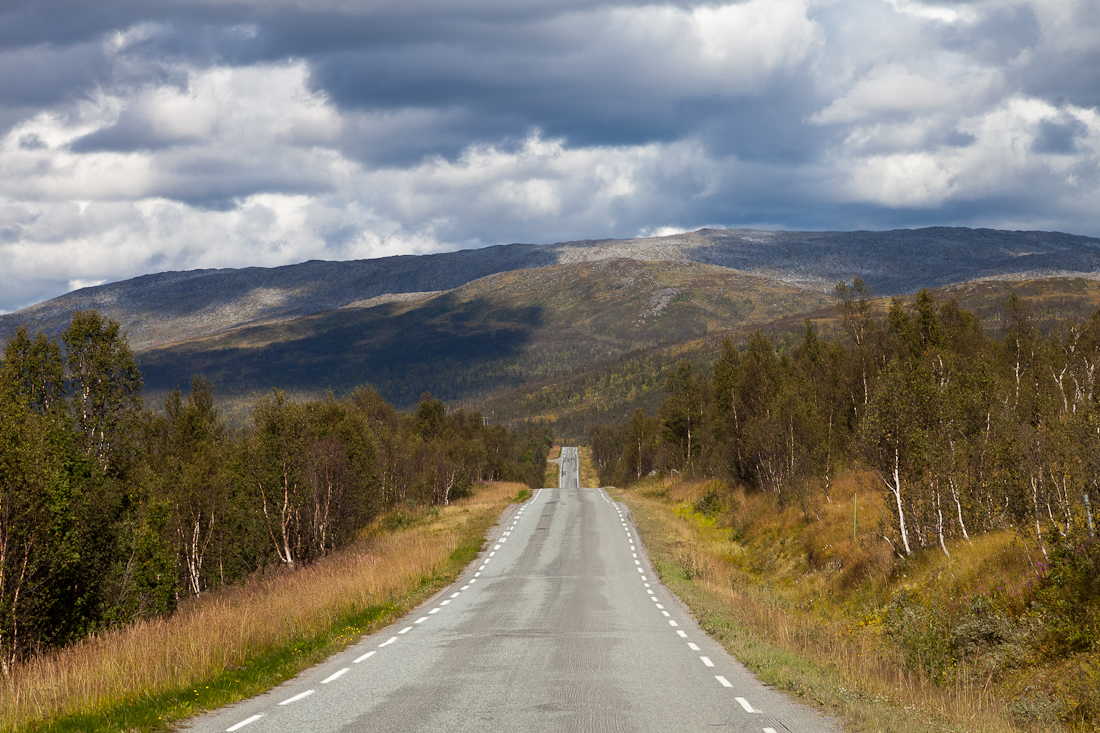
(1001, 162)
(892, 90)
(488, 121)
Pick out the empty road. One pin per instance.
(560, 625)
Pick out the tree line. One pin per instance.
(963, 432)
(110, 512)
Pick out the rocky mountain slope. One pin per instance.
(180, 306)
(495, 332)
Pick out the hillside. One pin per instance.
(608, 391)
(171, 307)
(496, 332)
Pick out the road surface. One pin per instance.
(560, 625)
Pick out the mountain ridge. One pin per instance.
(170, 307)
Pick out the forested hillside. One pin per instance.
(965, 431)
(110, 513)
(970, 441)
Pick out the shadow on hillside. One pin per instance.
(447, 347)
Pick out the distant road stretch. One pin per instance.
(560, 625)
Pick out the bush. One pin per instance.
(1068, 598)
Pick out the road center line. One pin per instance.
(706, 661)
(389, 641)
(681, 633)
(421, 620)
(335, 676)
(745, 704)
(296, 698)
(723, 680)
(365, 657)
(243, 723)
(405, 630)
(693, 646)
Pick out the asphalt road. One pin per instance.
(559, 626)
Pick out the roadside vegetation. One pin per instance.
(971, 577)
(232, 643)
(112, 515)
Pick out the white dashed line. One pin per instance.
(666, 614)
(444, 603)
(659, 605)
(405, 630)
(421, 620)
(454, 595)
(435, 610)
(723, 680)
(672, 623)
(769, 730)
(335, 676)
(365, 657)
(693, 646)
(745, 704)
(389, 641)
(243, 723)
(296, 698)
(706, 661)
(464, 587)
(681, 633)
(496, 547)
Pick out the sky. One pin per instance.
(139, 136)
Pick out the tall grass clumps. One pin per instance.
(808, 594)
(227, 644)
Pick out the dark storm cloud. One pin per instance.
(186, 133)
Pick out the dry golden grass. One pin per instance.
(222, 629)
(794, 598)
(589, 476)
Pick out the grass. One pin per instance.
(589, 475)
(235, 643)
(550, 479)
(837, 620)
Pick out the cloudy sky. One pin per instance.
(139, 136)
